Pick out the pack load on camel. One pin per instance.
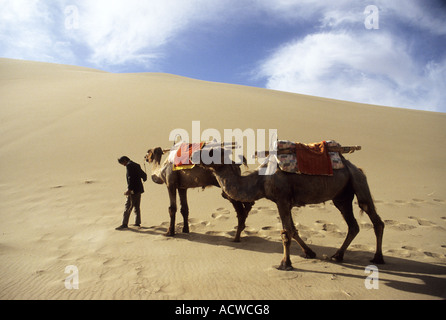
(314, 159)
(181, 153)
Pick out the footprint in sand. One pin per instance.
(330, 229)
(214, 233)
(402, 253)
(196, 225)
(406, 252)
(396, 225)
(419, 252)
(221, 214)
(309, 234)
(270, 231)
(435, 255)
(414, 202)
(423, 222)
(267, 210)
(327, 226)
(318, 207)
(365, 225)
(362, 247)
(250, 231)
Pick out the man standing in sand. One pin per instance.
(134, 191)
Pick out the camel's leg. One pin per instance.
(244, 212)
(309, 254)
(378, 226)
(172, 210)
(365, 200)
(248, 206)
(288, 233)
(285, 264)
(241, 217)
(344, 204)
(184, 209)
(242, 209)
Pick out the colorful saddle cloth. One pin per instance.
(313, 159)
(180, 155)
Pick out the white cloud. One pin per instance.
(344, 61)
(329, 13)
(108, 32)
(374, 69)
(121, 31)
(24, 29)
(133, 31)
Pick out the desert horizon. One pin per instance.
(64, 127)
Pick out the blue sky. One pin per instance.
(385, 52)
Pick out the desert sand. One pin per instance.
(61, 188)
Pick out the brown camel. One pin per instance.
(289, 190)
(181, 180)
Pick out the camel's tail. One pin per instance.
(361, 187)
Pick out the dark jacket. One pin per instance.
(134, 176)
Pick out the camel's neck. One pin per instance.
(156, 173)
(247, 188)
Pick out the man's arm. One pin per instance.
(142, 174)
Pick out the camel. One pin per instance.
(289, 190)
(181, 180)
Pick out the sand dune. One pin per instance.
(63, 128)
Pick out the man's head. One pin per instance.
(124, 160)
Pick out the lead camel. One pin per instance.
(182, 180)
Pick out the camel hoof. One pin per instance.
(282, 267)
(285, 266)
(185, 230)
(310, 255)
(170, 233)
(237, 240)
(378, 259)
(337, 257)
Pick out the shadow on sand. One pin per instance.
(430, 277)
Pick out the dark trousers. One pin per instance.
(133, 202)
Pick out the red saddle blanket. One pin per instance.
(314, 159)
(183, 154)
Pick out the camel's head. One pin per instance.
(154, 155)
